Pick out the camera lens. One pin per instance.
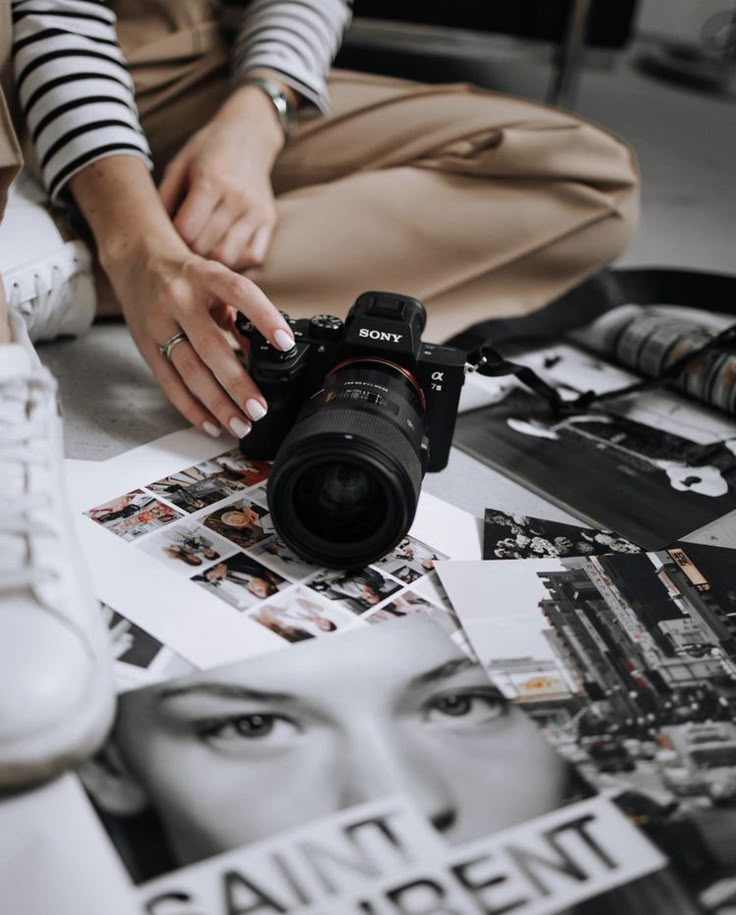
(340, 499)
(345, 483)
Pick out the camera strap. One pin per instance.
(584, 303)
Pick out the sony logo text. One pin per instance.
(379, 335)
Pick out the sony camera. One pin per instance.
(358, 412)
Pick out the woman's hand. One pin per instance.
(217, 188)
(202, 377)
(165, 289)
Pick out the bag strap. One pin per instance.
(600, 293)
(583, 304)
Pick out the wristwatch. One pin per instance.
(284, 109)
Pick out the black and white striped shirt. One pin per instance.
(77, 95)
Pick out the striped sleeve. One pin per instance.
(74, 88)
(296, 38)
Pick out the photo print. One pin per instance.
(276, 554)
(410, 560)
(242, 522)
(139, 657)
(259, 495)
(133, 515)
(240, 580)
(247, 752)
(195, 488)
(628, 663)
(650, 466)
(408, 603)
(515, 536)
(185, 547)
(358, 591)
(242, 472)
(299, 615)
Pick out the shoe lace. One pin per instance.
(41, 310)
(23, 446)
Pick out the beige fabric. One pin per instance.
(10, 155)
(477, 203)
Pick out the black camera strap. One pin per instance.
(583, 304)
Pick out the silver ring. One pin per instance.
(167, 346)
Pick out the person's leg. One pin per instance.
(56, 695)
(477, 203)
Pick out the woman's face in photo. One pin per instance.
(242, 753)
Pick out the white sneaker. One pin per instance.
(56, 692)
(48, 281)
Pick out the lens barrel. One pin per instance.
(345, 484)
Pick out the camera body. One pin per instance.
(381, 332)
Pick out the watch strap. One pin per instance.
(283, 107)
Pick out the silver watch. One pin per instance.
(281, 103)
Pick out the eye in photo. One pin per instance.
(298, 615)
(242, 523)
(410, 560)
(133, 515)
(358, 591)
(242, 753)
(186, 547)
(240, 580)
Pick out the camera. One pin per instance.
(358, 412)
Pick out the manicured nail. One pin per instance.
(255, 409)
(211, 429)
(239, 428)
(284, 340)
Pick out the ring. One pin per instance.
(167, 346)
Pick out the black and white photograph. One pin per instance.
(139, 657)
(358, 591)
(299, 614)
(187, 546)
(275, 553)
(646, 466)
(240, 580)
(241, 522)
(133, 515)
(628, 663)
(404, 603)
(516, 536)
(242, 753)
(409, 560)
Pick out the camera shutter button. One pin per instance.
(325, 327)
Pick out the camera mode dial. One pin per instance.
(325, 327)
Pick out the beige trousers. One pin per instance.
(477, 203)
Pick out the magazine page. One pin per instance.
(628, 663)
(516, 536)
(653, 466)
(651, 340)
(381, 773)
(182, 552)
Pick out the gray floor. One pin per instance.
(685, 142)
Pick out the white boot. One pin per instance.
(48, 281)
(56, 692)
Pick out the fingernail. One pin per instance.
(239, 428)
(284, 340)
(255, 409)
(211, 429)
